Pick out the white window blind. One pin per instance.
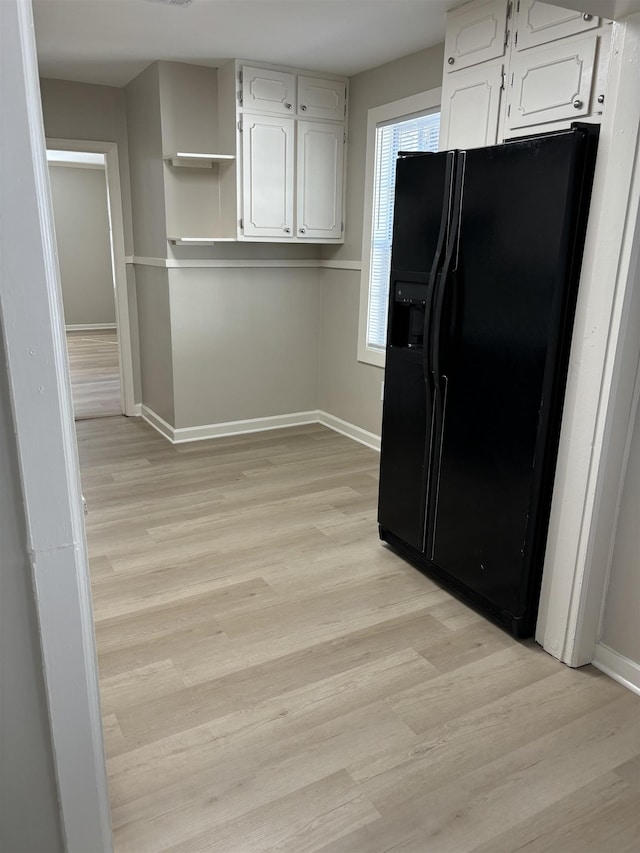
(415, 134)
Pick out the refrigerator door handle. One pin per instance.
(452, 250)
(437, 263)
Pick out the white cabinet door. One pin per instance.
(268, 91)
(267, 176)
(539, 23)
(475, 33)
(318, 98)
(471, 107)
(551, 83)
(319, 197)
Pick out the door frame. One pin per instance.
(118, 258)
(46, 450)
(591, 457)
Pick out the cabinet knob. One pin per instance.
(587, 17)
(287, 230)
(289, 106)
(302, 230)
(451, 60)
(601, 99)
(303, 108)
(577, 104)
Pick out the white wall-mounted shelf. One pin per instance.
(200, 241)
(196, 160)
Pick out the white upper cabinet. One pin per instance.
(268, 177)
(538, 23)
(287, 127)
(471, 107)
(548, 68)
(268, 91)
(319, 195)
(319, 98)
(552, 84)
(476, 33)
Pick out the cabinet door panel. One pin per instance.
(539, 23)
(320, 159)
(267, 176)
(471, 107)
(270, 91)
(551, 83)
(319, 98)
(476, 34)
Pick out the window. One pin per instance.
(412, 124)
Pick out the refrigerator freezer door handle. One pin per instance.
(452, 249)
(437, 263)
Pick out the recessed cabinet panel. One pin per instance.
(475, 34)
(318, 98)
(551, 84)
(270, 91)
(539, 23)
(268, 163)
(471, 107)
(320, 156)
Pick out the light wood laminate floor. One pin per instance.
(95, 373)
(274, 678)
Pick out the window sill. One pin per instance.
(371, 356)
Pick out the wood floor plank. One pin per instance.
(302, 821)
(253, 776)
(199, 640)
(629, 772)
(341, 652)
(143, 684)
(331, 696)
(275, 678)
(464, 803)
(475, 736)
(247, 744)
(603, 815)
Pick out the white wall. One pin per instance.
(156, 357)
(80, 212)
(245, 343)
(145, 161)
(84, 111)
(348, 388)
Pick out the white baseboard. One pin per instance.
(369, 439)
(229, 428)
(157, 422)
(622, 669)
(89, 327)
(137, 410)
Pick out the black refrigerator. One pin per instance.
(487, 248)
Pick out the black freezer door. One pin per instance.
(423, 183)
(501, 365)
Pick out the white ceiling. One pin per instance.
(111, 41)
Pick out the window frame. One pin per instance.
(384, 114)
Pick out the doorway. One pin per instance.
(83, 237)
(93, 275)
